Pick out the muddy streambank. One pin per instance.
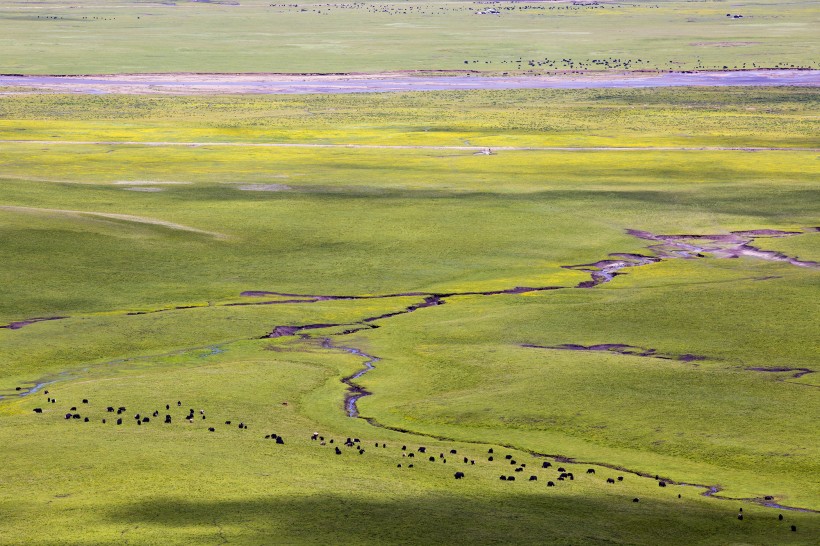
(25, 391)
(622, 349)
(354, 391)
(735, 244)
(16, 325)
(191, 83)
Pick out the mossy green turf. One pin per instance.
(94, 36)
(369, 221)
(734, 117)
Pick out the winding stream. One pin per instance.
(732, 245)
(396, 82)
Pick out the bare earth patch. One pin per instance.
(264, 187)
(148, 183)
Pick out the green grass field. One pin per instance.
(95, 36)
(145, 249)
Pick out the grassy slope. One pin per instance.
(102, 37)
(374, 221)
(178, 483)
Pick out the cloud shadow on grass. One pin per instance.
(539, 515)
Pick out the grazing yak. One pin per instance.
(38, 410)
(459, 475)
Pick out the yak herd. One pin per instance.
(355, 445)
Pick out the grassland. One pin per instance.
(364, 221)
(95, 36)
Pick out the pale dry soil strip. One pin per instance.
(113, 216)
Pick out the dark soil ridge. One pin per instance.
(622, 349)
(800, 372)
